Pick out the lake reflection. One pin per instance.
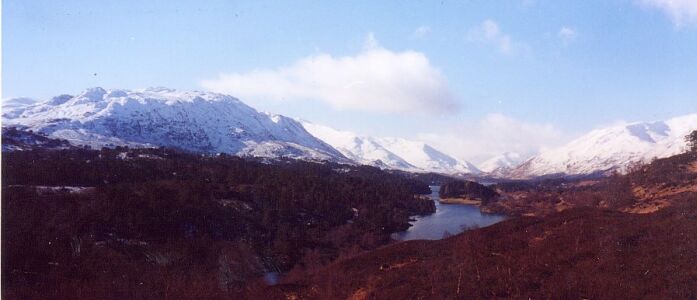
(450, 218)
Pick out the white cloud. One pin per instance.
(489, 32)
(421, 32)
(374, 80)
(567, 35)
(494, 134)
(682, 12)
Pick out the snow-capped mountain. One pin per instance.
(363, 150)
(501, 164)
(193, 121)
(425, 157)
(613, 148)
(391, 153)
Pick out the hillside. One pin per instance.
(645, 189)
(602, 245)
(153, 223)
(577, 254)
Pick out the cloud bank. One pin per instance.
(495, 134)
(374, 80)
(682, 12)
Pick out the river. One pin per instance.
(450, 218)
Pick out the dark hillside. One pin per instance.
(152, 223)
(582, 253)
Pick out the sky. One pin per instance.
(473, 78)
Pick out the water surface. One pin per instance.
(448, 219)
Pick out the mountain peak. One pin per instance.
(193, 121)
(501, 163)
(94, 93)
(612, 148)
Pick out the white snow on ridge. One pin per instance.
(391, 153)
(613, 148)
(194, 121)
(363, 150)
(426, 157)
(209, 123)
(501, 164)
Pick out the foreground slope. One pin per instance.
(599, 247)
(161, 224)
(613, 148)
(578, 254)
(193, 121)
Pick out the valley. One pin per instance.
(595, 246)
(148, 223)
(150, 193)
(359, 150)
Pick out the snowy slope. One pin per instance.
(427, 158)
(613, 148)
(501, 164)
(391, 153)
(363, 150)
(193, 121)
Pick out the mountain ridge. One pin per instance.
(390, 152)
(613, 148)
(189, 120)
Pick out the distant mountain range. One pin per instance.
(392, 153)
(609, 149)
(210, 123)
(501, 164)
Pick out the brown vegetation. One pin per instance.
(580, 253)
(583, 245)
(461, 201)
(644, 189)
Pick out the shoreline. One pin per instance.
(461, 201)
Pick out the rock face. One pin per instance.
(191, 120)
(610, 149)
(468, 190)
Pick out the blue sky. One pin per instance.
(534, 72)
